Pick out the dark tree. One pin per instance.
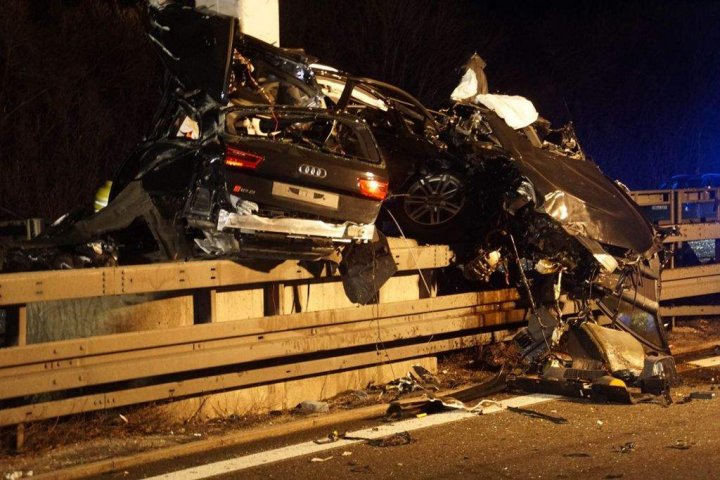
(78, 86)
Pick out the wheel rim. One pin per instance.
(434, 199)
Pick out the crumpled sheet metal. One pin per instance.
(365, 267)
(575, 217)
(578, 195)
(620, 350)
(570, 212)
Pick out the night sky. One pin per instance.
(641, 80)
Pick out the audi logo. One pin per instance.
(313, 171)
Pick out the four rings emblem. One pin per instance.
(313, 171)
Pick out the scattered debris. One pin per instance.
(681, 445)
(702, 395)
(18, 474)
(360, 468)
(311, 406)
(628, 447)
(425, 377)
(542, 416)
(394, 440)
(459, 400)
(332, 437)
(402, 386)
(319, 460)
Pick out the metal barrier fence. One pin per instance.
(213, 354)
(260, 337)
(695, 215)
(672, 207)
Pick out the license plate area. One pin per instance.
(306, 195)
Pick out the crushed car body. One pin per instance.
(259, 152)
(573, 240)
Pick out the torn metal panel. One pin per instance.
(619, 350)
(577, 194)
(365, 268)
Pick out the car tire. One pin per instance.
(433, 207)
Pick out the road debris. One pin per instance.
(425, 377)
(394, 440)
(628, 447)
(319, 460)
(311, 406)
(470, 399)
(681, 444)
(702, 395)
(541, 416)
(332, 437)
(18, 474)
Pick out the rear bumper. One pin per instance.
(296, 227)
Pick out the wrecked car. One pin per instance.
(268, 183)
(554, 225)
(240, 162)
(257, 153)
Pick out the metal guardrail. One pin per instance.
(59, 378)
(695, 215)
(345, 338)
(53, 379)
(20, 288)
(673, 207)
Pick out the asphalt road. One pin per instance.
(599, 441)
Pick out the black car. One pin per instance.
(269, 182)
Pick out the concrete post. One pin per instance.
(259, 18)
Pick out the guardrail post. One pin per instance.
(273, 298)
(16, 335)
(204, 305)
(428, 283)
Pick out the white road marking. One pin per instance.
(311, 448)
(706, 362)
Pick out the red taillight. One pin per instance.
(373, 188)
(235, 157)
